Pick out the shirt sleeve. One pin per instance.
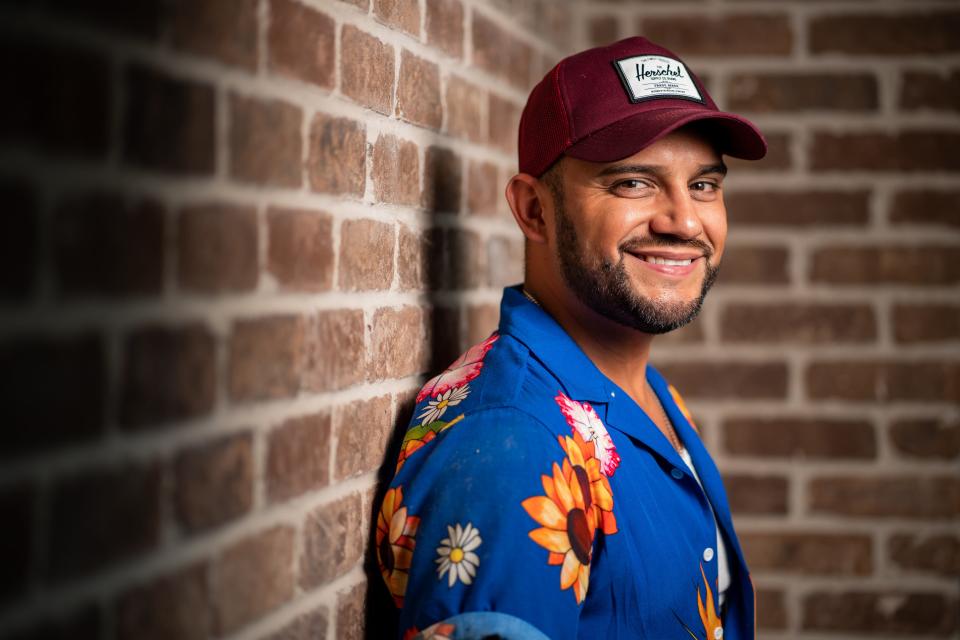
(493, 513)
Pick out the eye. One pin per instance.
(706, 186)
(630, 188)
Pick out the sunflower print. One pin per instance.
(395, 539)
(570, 513)
(712, 625)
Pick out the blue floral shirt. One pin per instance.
(532, 488)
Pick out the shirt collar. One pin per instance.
(549, 343)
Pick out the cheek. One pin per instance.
(715, 229)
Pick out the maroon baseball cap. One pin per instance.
(607, 103)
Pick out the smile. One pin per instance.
(667, 261)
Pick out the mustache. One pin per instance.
(661, 241)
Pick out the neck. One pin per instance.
(620, 352)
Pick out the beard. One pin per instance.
(607, 289)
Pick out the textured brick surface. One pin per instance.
(808, 553)
(444, 23)
(217, 247)
(362, 430)
(807, 208)
(265, 141)
(305, 627)
(908, 151)
(898, 34)
(266, 358)
(366, 69)
(802, 92)
(464, 102)
(926, 206)
(730, 35)
(799, 437)
(298, 456)
(926, 323)
(330, 547)
(402, 14)
(396, 171)
(171, 606)
(442, 176)
(757, 494)
(875, 266)
(221, 29)
(930, 497)
(251, 577)
(888, 612)
(337, 156)
(418, 91)
(926, 553)
(366, 255)
(214, 482)
(497, 51)
(798, 323)
(300, 249)
(930, 91)
(397, 343)
(168, 374)
(926, 438)
(884, 381)
(351, 621)
(754, 265)
(335, 346)
(727, 379)
(301, 43)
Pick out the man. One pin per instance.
(552, 484)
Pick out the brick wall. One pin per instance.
(239, 233)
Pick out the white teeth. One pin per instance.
(657, 260)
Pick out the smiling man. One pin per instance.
(552, 483)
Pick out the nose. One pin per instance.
(677, 215)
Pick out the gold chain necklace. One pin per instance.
(530, 297)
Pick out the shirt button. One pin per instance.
(613, 395)
(676, 473)
(718, 633)
(708, 554)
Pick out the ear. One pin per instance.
(528, 197)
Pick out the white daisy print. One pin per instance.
(456, 554)
(436, 408)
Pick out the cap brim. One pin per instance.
(733, 135)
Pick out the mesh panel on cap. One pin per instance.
(545, 136)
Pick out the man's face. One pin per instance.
(639, 240)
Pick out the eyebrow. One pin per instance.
(652, 169)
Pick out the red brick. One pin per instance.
(802, 92)
(446, 337)
(914, 150)
(266, 143)
(926, 207)
(483, 188)
(298, 457)
(366, 255)
(363, 428)
(880, 381)
(174, 605)
(778, 156)
(168, 124)
(73, 370)
(335, 349)
(17, 506)
(351, 616)
(688, 334)
(914, 323)
(20, 242)
(396, 171)
(397, 343)
(501, 54)
(800, 437)
(929, 90)
(338, 155)
(300, 249)
(266, 358)
(418, 91)
(464, 116)
(331, 541)
(456, 259)
(169, 373)
(805, 208)
(308, 626)
(926, 553)
(755, 265)
(252, 577)
(105, 246)
(504, 261)
(366, 69)
(47, 77)
(728, 35)
(926, 438)
(771, 609)
(887, 265)
(757, 494)
(221, 29)
(411, 260)
(888, 612)
(892, 34)
(927, 497)
(217, 248)
(445, 26)
(401, 14)
(101, 517)
(301, 43)
(214, 482)
(442, 176)
(798, 323)
(809, 553)
(482, 320)
(603, 30)
(728, 379)
(504, 123)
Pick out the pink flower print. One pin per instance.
(463, 370)
(584, 420)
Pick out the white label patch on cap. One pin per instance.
(652, 77)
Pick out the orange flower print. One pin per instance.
(585, 467)
(567, 519)
(396, 539)
(682, 406)
(438, 631)
(712, 625)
